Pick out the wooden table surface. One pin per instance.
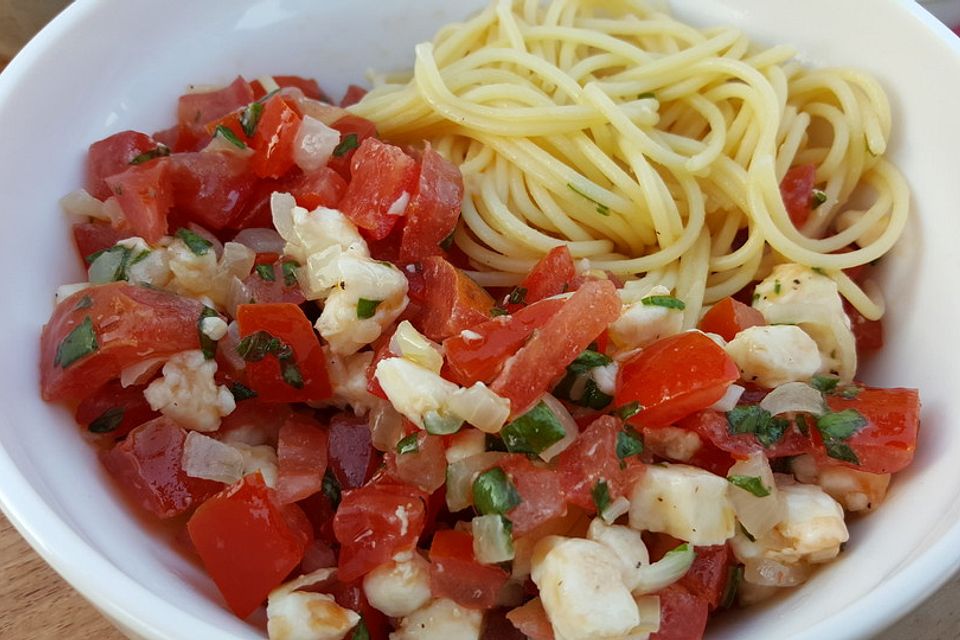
(36, 604)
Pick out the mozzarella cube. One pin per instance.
(188, 393)
(310, 232)
(683, 501)
(640, 324)
(398, 588)
(625, 543)
(348, 377)
(442, 619)
(298, 615)
(192, 273)
(856, 490)
(774, 355)
(259, 458)
(413, 390)
(813, 525)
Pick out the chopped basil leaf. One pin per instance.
(533, 432)
(250, 118)
(517, 296)
(242, 391)
(758, 421)
(601, 496)
(627, 411)
(669, 302)
(360, 631)
(160, 151)
(109, 265)
(647, 95)
(447, 242)
(79, 343)
(498, 311)
(331, 488)
(817, 198)
(840, 425)
(850, 393)
(746, 533)
(408, 444)
(588, 360)
(824, 384)
(197, 244)
(84, 303)
(592, 397)
(265, 271)
(602, 209)
(107, 421)
(629, 443)
(840, 451)
(207, 344)
(801, 422)
(734, 577)
(776, 287)
(349, 143)
(227, 134)
(494, 443)
(753, 484)
(256, 346)
(366, 308)
(289, 269)
(290, 372)
(93, 256)
(139, 258)
(494, 493)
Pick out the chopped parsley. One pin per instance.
(669, 302)
(734, 578)
(602, 209)
(227, 134)
(835, 428)
(160, 151)
(817, 198)
(647, 95)
(756, 420)
(207, 344)
(753, 484)
(79, 343)
(346, 145)
(494, 493)
(289, 269)
(517, 296)
(107, 421)
(196, 243)
(498, 311)
(776, 287)
(533, 432)
(627, 411)
(591, 396)
(408, 444)
(824, 384)
(250, 118)
(360, 632)
(331, 488)
(265, 271)
(366, 308)
(241, 391)
(447, 242)
(629, 443)
(601, 496)
(109, 265)
(259, 345)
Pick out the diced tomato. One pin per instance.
(707, 577)
(541, 497)
(457, 575)
(796, 189)
(319, 555)
(301, 458)
(254, 211)
(111, 156)
(353, 131)
(128, 324)
(531, 619)
(714, 427)
(196, 109)
(380, 174)
(453, 302)
(353, 459)
(309, 87)
(434, 208)
(553, 274)
(145, 194)
(867, 333)
(115, 407)
(729, 317)
(248, 542)
(273, 139)
(298, 377)
(381, 351)
(709, 456)
(496, 626)
(320, 510)
(147, 467)
(683, 616)
(258, 421)
(321, 188)
(374, 523)
(481, 356)
(210, 188)
(350, 595)
(168, 137)
(271, 283)
(543, 360)
(591, 458)
(889, 440)
(425, 468)
(353, 95)
(675, 377)
(91, 237)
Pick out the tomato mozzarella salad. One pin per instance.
(278, 348)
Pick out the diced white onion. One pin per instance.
(386, 427)
(268, 83)
(492, 541)
(649, 609)
(729, 400)
(140, 372)
(260, 240)
(758, 515)
(237, 294)
(615, 509)
(794, 396)
(325, 113)
(209, 459)
(81, 204)
(314, 144)
(219, 144)
(112, 211)
(460, 476)
(410, 344)
(770, 573)
(661, 574)
(481, 407)
(569, 427)
(399, 206)
(228, 347)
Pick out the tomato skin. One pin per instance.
(210, 188)
(145, 194)
(380, 174)
(425, 468)
(274, 138)
(592, 457)
(321, 188)
(353, 95)
(675, 377)
(91, 237)
(369, 530)
(302, 458)
(353, 459)
(708, 575)
(287, 322)
(111, 156)
(531, 620)
(683, 616)
(196, 109)
(350, 125)
(541, 496)
(543, 359)
(248, 542)
(729, 317)
(456, 574)
(713, 427)
(147, 466)
(452, 301)
(480, 359)
(131, 323)
(112, 396)
(796, 189)
(868, 334)
(270, 291)
(553, 274)
(434, 208)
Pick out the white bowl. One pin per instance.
(105, 66)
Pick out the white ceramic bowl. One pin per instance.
(105, 66)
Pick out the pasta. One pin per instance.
(653, 149)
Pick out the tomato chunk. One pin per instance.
(353, 131)
(353, 95)
(531, 620)
(675, 377)
(591, 458)
(114, 410)
(434, 208)
(145, 194)
(424, 467)
(796, 189)
(302, 458)
(321, 188)
(147, 466)
(248, 542)
(210, 188)
(91, 237)
(475, 358)
(541, 496)
(274, 138)
(729, 317)
(683, 616)
(542, 361)
(867, 333)
(353, 459)
(375, 523)
(111, 156)
(309, 87)
(553, 274)
(380, 174)
(274, 282)
(453, 302)
(96, 333)
(708, 575)
(456, 574)
(293, 370)
(196, 109)
(715, 428)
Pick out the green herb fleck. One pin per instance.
(840, 425)
(265, 271)
(227, 134)
(817, 198)
(850, 393)
(629, 443)
(408, 444)
(840, 451)
(360, 631)
(160, 151)
(290, 373)
(533, 432)
(517, 296)
(801, 421)
(647, 95)
(241, 391)
(601, 496)
(753, 484)
(349, 143)
(588, 360)
(494, 493)
(107, 421)
(207, 344)
(734, 578)
(250, 118)
(84, 303)
(758, 421)
(447, 242)
(824, 384)
(669, 302)
(628, 410)
(331, 488)
(289, 269)
(602, 209)
(776, 287)
(366, 308)
(79, 343)
(818, 270)
(498, 311)
(256, 346)
(592, 397)
(196, 243)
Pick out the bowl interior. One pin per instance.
(98, 69)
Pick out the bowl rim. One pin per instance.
(136, 609)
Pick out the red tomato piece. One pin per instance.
(543, 360)
(116, 407)
(248, 542)
(481, 358)
(796, 189)
(591, 458)
(300, 377)
(259, 421)
(308, 86)
(453, 302)
(531, 620)
(353, 95)
(147, 466)
(353, 131)
(320, 511)
(319, 555)
(434, 208)
(380, 174)
(145, 194)
(374, 523)
(274, 138)
(352, 456)
(210, 188)
(729, 317)
(889, 440)
(350, 595)
(675, 377)
(456, 574)
(553, 274)
(381, 351)
(708, 575)
(713, 427)
(541, 496)
(270, 284)
(196, 109)
(91, 237)
(111, 156)
(321, 188)
(683, 616)
(867, 333)
(302, 458)
(425, 468)
(128, 323)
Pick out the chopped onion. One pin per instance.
(399, 206)
(386, 426)
(770, 573)
(140, 372)
(214, 241)
(325, 113)
(219, 144)
(64, 291)
(260, 240)
(794, 396)
(268, 83)
(314, 144)
(831, 331)
(566, 421)
(228, 348)
(649, 609)
(615, 509)
(113, 212)
(107, 266)
(729, 400)
(460, 476)
(758, 515)
(81, 204)
(492, 539)
(480, 406)
(237, 294)
(410, 344)
(281, 210)
(209, 459)
(651, 578)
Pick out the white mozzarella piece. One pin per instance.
(640, 324)
(413, 390)
(774, 355)
(300, 615)
(442, 619)
(398, 588)
(188, 393)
